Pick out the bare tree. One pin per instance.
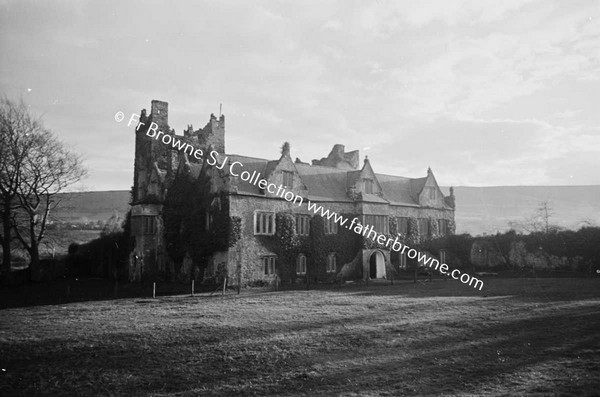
(16, 129)
(544, 214)
(538, 222)
(49, 168)
(45, 167)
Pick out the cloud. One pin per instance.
(484, 92)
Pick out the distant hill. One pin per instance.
(92, 206)
(478, 209)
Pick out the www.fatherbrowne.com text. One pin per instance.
(236, 170)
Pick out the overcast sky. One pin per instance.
(485, 92)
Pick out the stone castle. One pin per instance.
(191, 219)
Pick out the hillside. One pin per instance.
(92, 206)
(479, 209)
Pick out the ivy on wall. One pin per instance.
(286, 236)
(345, 244)
(413, 237)
(287, 245)
(175, 211)
(222, 232)
(189, 208)
(393, 226)
(451, 227)
(434, 229)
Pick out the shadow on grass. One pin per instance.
(546, 352)
(489, 356)
(87, 289)
(545, 289)
(94, 289)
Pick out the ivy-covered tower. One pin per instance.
(153, 168)
(156, 164)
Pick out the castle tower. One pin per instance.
(213, 134)
(148, 151)
(152, 163)
(156, 162)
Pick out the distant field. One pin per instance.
(92, 206)
(56, 243)
(59, 240)
(517, 337)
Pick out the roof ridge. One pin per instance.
(246, 157)
(399, 176)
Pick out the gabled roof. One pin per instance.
(251, 164)
(399, 190)
(352, 177)
(271, 165)
(416, 187)
(326, 183)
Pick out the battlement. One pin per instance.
(213, 133)
(156, 159)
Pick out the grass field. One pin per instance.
(517, 337)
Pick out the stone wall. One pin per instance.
(247, 253)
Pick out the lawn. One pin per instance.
(516, 337)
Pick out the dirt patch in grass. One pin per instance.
(517, 337)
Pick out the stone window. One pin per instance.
(330, 226)
(402, 225)
(379, 223)
(331, 263)
(302, 225)
(301, 264)
(269, 265)
(432, 193)
(288, 179)
(149, 224)
(403, 260)
(264, 223)
(443, 227)
(209, 220)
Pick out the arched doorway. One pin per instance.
(377, 265)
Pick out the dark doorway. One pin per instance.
(377, 265)
(373, 266)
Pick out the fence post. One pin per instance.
(153, 290)
(224, 285)
(192, 287)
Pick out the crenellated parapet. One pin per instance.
(213, 134)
